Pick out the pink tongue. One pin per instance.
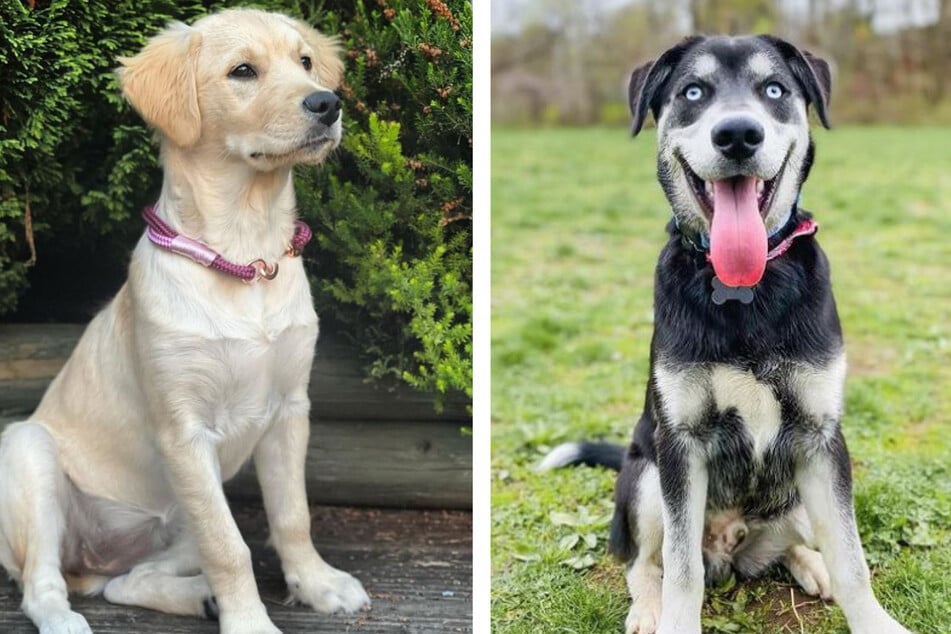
(738, 235)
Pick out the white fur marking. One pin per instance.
(705, 65)
(754, 402)
(819, 389)
(644, 584)
(683, 393)
(761, 65)
(645, 574)
(650, 527)
(563, 454)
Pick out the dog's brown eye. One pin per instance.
(243, 71)
(306, 62)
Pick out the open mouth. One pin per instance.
(704, 191)
(736, 207)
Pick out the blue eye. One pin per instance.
(774, 90)
(693, 92)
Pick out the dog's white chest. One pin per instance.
(691, 394)
(265, 380)
(753, 401)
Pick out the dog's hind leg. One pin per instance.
(170, 582)
(786, 540)
(809, 570)
(34, 495)
(637, 534)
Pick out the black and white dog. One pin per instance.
(738, 460)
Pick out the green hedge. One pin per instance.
(392, 211)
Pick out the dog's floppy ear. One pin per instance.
(811, 72)
(161, 84)
(327, 52)
(647, 81)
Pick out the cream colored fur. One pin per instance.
(116, 479)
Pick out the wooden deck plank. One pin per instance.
(404, 464)
(416, 566)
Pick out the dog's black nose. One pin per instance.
(325, 104)
(738, 138)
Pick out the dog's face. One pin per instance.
(252, 85)
(733, 138)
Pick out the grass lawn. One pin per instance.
(577, 223)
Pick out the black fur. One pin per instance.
(792, 316)
(649, 88)
(792, 320)
(598, 454)
(620, 542)
(210, 606)
(653, 84)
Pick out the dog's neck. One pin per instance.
(700, 241)
(240, 212)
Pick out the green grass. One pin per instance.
(577, 222)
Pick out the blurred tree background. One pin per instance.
(563, 62)
(391, 210)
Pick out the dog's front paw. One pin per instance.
(65, 623)
(329, 590)
(644, 614)
(641, 619)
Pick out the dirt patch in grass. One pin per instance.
(788, 609)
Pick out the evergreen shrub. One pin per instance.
(391, 210)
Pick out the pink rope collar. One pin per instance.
(161, 235)
(805, 228)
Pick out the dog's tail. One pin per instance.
(604, 454)
(590, 454)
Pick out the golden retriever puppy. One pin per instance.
(200, 362)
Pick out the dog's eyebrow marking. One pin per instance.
(705, 65)
(761, 65)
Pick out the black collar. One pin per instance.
(699, 244)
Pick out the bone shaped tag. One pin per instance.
(723, 293)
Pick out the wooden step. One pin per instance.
(372, 444)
